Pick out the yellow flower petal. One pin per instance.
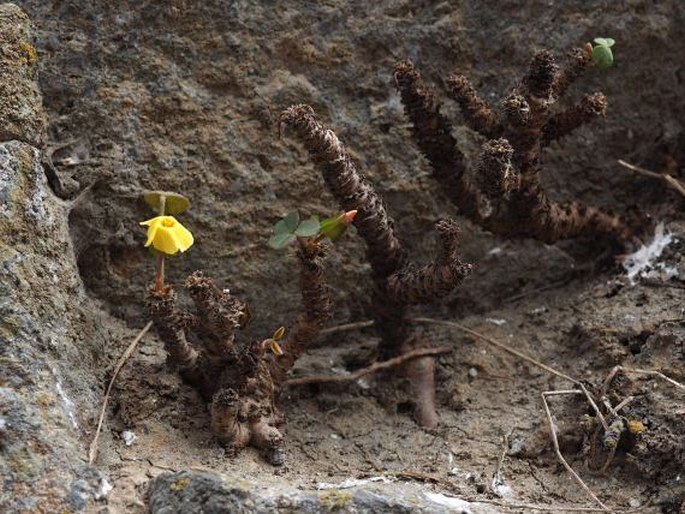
(151, 233)
(167, 235)
(184, 239)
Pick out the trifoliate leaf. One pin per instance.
(308, 228)
(292, 220)
(174, 203)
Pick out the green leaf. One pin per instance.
(308, 228)
(292, 220)
(288, 224)
(281, 227)
(174, 203)
(602, 56)
(278, 241)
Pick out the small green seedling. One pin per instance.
(601, 52)
(272, 343)
(289, 228)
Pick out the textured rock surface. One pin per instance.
(189, 492)
(21, 111)
(46, 338)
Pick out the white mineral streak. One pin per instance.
(352, 482)
(644, 262)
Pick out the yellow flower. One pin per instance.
(167, 235)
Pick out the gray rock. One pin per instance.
(190, 492)
(43, 324)
(21, 110)
(42, 460)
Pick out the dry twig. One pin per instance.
(497, 480)
(347, 327)
(93, 450)
(523, 356)
(557, 451)
(374, 368)
(665, 178)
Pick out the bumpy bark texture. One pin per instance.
(505, 196)
(397, 282)
(240, 381)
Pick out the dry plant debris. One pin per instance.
(664, 178)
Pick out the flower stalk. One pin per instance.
(164, 233)
(159, 264)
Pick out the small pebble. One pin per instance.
(128, 437)
(473, 372)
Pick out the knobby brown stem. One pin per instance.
(397, 283)
(240, 380)
(477, 113)
(506, 196)
(433, 134)
(413, 284)
(565, 122)
(316, 305)
(349, 187)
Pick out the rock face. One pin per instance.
(45, 334)
(186, 96)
